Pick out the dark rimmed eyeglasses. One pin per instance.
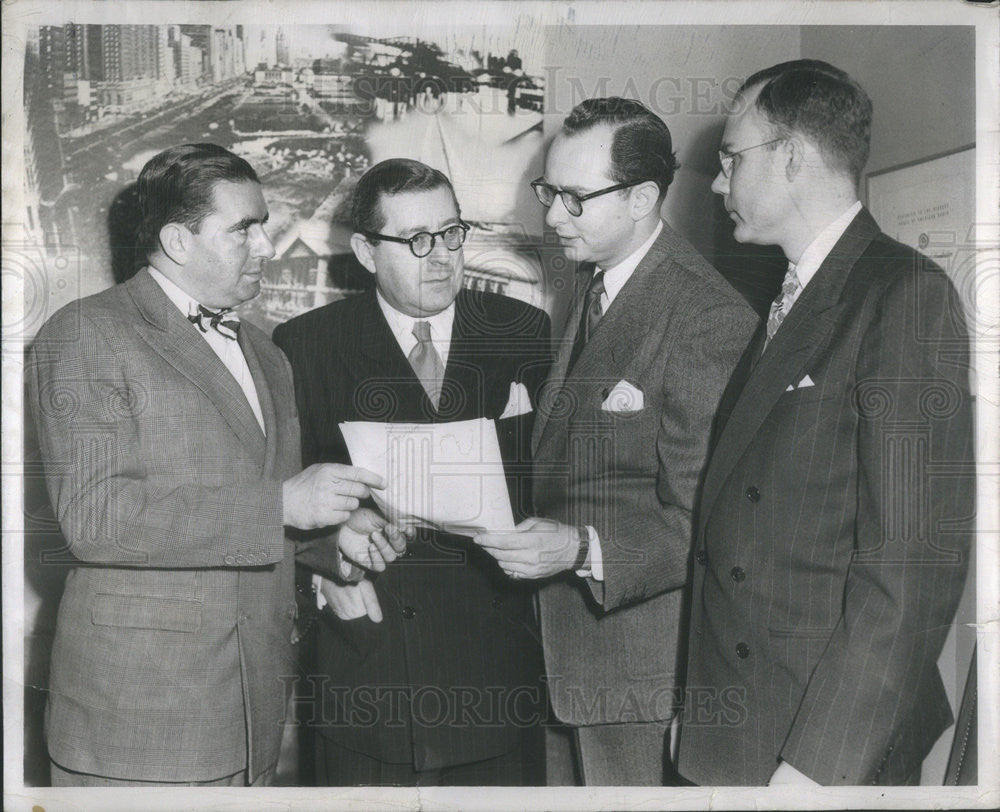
(546, 194)
(728, 159)
(422, 243)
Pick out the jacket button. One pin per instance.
(409, 612)
(742, 650)
(737, 574)
(228, 560)
(701, 558)
(753, 494)
(497, 603)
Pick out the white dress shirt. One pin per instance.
(227, 349)
(401, 326)
(615, 278)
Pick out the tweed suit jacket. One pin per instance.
(172, 645)
(452, 673)
(834, 530)
(675, 332)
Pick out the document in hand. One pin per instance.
(448, 476)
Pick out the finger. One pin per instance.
(340, 486)
(503, 541)
(372, 607)
(362, 475)
(340, 502)
(385, 550)
(397, 539)
(376, 561)
(531, 523)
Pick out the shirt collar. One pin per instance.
(182, 300)
(819, 249)
(401, 325)
(616, 276)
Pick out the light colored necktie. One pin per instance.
(426, 362)
(592, 312)
(783, 302)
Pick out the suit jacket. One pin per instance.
(675, 331)
(444, 678)
(834, 529)
(172, 639)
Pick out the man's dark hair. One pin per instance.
(821, 102)
(642, 148)
(392, 177)
(178, 186)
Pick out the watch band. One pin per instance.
(584, 551)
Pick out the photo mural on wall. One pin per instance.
(311, 108)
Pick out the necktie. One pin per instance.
(426, 362)
(591, 315)
(224, 321)
(783, 302)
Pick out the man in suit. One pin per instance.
(438, 656)
(171, 447)
(621, 438)
(833, 531)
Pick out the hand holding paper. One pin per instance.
(537, 548)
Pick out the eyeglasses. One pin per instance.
(422, 243)
(546, 194)
(728, 159)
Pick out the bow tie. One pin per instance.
(224, 321)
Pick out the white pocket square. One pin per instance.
(518, 402)
(803, 384)
(623, 397)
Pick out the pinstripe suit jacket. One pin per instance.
(172, 639)
(834, 530)
(675, 331)
(449, 675)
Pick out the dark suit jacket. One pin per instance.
(441, 679)
(172, 638)
(675, 331)
(834, 530)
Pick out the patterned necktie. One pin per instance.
(225, 321)
(592, 312)
(426, 362)
(783, 302)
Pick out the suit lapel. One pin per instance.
(804, 331)
(379, 359)
(621, 331)
(172, 336)
(265, 379)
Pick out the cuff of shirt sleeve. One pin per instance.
(317, 584)
(596, 569)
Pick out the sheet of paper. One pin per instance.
(448, 476)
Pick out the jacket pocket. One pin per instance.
(141, 612)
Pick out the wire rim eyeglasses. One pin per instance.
(728, 159)
(422, 243)
(546, 194)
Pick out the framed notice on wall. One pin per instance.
(930, 205)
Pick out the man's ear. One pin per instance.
(794, 149)
(175, 242)
(645, 199)
(363, 251)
